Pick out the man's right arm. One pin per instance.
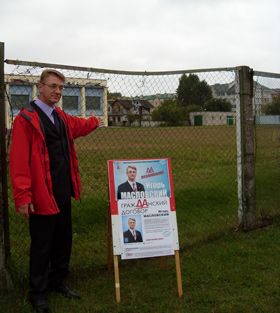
(24, 210)
(19, 164)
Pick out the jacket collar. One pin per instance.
(31, 115)
(29, 107)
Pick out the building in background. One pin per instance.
(226, 92)
(205, 118)
(230, 92)
(262, 96)
(157, 99)
(119, 109)
(79, 98)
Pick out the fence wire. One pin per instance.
(203, 152)
(267, 145)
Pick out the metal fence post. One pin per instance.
(248, 218)
(4, 277)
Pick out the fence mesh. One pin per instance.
(203, 152)
(267, 143)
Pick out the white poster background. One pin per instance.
(153, 220)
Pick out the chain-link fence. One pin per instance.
(205, 148)
(267, 143)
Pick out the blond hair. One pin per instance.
(46, 73)
(131, 166)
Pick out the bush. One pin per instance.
(273, 108)
(170, 112)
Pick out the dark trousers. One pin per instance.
(51, 243)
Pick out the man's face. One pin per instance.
(131, 224)
(51, 90)
(131, 174)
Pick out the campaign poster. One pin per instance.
(142, 208)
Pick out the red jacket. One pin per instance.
(29, 159)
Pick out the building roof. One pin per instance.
(230, 88)
(146, 104)
(159, 96)
(224, 88)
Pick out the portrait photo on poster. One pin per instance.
(141, 179)
(132, 229)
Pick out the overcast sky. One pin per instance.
(144, 35)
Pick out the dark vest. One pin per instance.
(58, 149)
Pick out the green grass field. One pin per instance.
(238, 272)
(204, 169)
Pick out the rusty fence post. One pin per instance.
(247, 215)
(5, 282)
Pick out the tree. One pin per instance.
(113, 95)
(131, 118)
(193, 91)
(273, 108)
(171, 112)
(217, 105)
(192, 108)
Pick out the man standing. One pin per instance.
(44, 174)
(130, 185)
(132, 235)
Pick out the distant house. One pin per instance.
(262, 95)
(119, 109)
(157, 99)
(225, 92)
(276, 95)
(204, 118)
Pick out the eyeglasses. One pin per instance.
(54, 87)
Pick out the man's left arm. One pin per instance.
(82, 126)
(100, 119)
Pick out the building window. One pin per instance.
(94, 100)
(19, 96)
(93, 103)
(70, 104)
(18, 101)
(71, 100)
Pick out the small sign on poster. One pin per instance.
(142, 205)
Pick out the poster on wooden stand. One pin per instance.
(143, 215)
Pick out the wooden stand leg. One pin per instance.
(117, 279)
(163, 262)
(178, 270)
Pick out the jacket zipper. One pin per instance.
(71, 157)
(46, 178)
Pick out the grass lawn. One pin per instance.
(238, 272)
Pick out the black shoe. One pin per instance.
(66, 292)
(40, 306)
